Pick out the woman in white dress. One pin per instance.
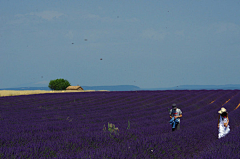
(223, 127)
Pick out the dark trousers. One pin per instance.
(177, 127)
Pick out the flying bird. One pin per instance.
(100, 58)
(72, 43)
(85, 39)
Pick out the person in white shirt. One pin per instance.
(223, 121)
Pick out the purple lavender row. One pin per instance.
(228, 146)
(52, 128)
(202, 116)
(162, 128)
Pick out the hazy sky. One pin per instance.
(149, 44)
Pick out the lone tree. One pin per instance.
(58, 84)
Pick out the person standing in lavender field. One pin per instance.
(175, 115)
(223, 127)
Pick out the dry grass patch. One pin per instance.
(27, 92)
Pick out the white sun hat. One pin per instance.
(222, 110)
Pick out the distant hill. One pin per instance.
(112, 88)
(133, 88)
(199, 87)
(109, 88)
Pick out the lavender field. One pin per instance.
(75, 125)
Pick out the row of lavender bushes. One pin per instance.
(149, 137)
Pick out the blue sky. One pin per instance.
(149, 44)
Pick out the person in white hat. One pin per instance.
(223, 127)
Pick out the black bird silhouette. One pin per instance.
(72, 43)
(100, 58)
